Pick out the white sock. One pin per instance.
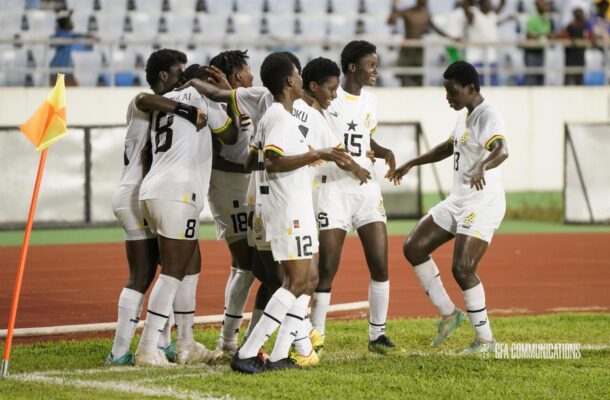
(184, 309)
(165, 338)
(257, 313)
(130, 306)
(228, 286)
(379, 297)
(474, 299)
(274, 314)
(319, 309)
(238, 296)
(430, 279)
(302, 343)
(289, 328)
(159, 307)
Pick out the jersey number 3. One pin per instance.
(163, 133)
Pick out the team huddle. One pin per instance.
(288, 170)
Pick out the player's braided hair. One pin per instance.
(354, 51)
(464, 73)
(162, 60)
(276, 68)
(319, 70)
(230, 62)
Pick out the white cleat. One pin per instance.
(155, 358)
(195, 352)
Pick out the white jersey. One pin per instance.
(354, 119)
(253, 101)
(138, 123)
(289, 203)
(472, 136)
(182, 156)
(237, 152)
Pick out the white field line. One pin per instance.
(111, 326)
(115, 386)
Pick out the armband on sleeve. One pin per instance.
(187, 112)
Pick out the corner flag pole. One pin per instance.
(21, 268)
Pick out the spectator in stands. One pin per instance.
(482, 24)
(578, 31)
(600, 25)
(418, 21)
(63, 52)
(539, 26)
(568, 7)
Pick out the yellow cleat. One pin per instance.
(317, 341)
(305, 361)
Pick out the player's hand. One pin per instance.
(390, 161)
(196, 83)
(217, 78)
(363, 175)
(371, 155)
(317, 162)
(338, 156)
(395, 176)
(244, 122)
(202, 119)
(477, 178)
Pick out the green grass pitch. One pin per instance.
(74, 370)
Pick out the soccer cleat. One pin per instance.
(252, 365)
(480, 347)
(125, 359)
(194, 352)
(155, 358)
(317, 341)
(383, 345)
(447, 326)
(305, 361)
(280, 365)
(262, 355)
(170, 351)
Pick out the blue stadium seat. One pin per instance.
(213, 27)
(341, 27)
(219, 6)
(254, 7)
(312, 26)
(88, 66)
(179, 26)
(343, 7)
(143, 24)
(110, 25)
(245, 26)
(281, 26)
(280, 6)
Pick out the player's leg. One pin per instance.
(307, 339)
(331, 243)
(467, 254)
(374, 239)
(177, 237)
(431, 232)
(237, 296)
(142, 258)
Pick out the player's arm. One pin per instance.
(362, 174)
(276, 161)
(209, 90)
(498, 153)
(152, 102)
(435, 154)
(386, 154)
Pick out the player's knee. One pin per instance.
(298, 286)
(463, 273)
(413, 251)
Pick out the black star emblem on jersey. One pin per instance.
(303, 130)
(351, 126)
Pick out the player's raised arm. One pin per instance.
(435, 154)
(152, 102)
(499, 153)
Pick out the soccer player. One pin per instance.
(472, 212)
(288, 214)
(163, 70)
(227, 197)
(171, 199)
(344, 203)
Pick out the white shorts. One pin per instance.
(478, 216)
(300, 244)
(126, 208)
(347, 211)
(171, 219)
(256, 231)
(227, 198)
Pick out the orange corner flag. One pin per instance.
(48, 124)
